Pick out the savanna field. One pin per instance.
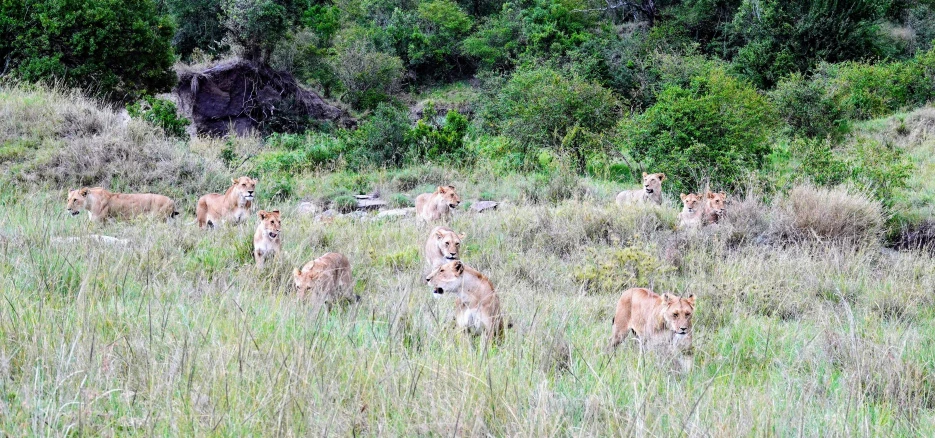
(813, 289)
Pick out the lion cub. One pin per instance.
(714, 207)
(234, 205)
(267, 240)
(690, 217)
(477, 307)
(431, 207)
(327, 279)
(654, 319)
(443, 245)
(651, 191)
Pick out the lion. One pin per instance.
(442, 246)
(267, 240)
(431, 207)
(654, 319)
(690, 217)
(651, 191)
(102, 204)
(477, 307)
(326, 279)
(234, 205)
(714, 207)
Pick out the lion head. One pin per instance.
(77, 200)
(677, 313)
(691, 201)
(448, 194)
(449, 243)
(270, 222)
(715, 202)
(447, 277)
(244, 187)
(652, 182)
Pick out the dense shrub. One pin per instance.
(159, 112)
(717, 128)
(619, 269)
(566, 114)
(369, 76)
(112, 48)
(198, 27)
(428, 38)
(383, 139)
(440, 140)
(297, 153)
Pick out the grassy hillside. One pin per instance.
(805, 322)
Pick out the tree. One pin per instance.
(256, 26)
(198, 26)
(115, 48)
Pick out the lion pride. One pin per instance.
(102, 204)
(477, 306)
(654, 319)
(233, 205)
(651, 191)
(431, 207)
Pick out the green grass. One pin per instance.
(177, 333)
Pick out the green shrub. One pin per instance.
(429, 38)
(112, 48)
(566, 114)
(400, 200)
(344, 203)
(297, 153)
(278, 186)
(161, 113)
(383, 139)
(717, 128)
(619, 269)
(199, 27)
(369, 76)
(802, 104)
(445, 140)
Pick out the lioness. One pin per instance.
(692, 210)
(327, 279)
(234, 205)
(443, 245)
(477, 307)
(714, 207)
(651, 191)
(102, 204)
(654, 319)
(434, 206)
(267, 240)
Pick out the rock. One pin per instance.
(308, 208)
(370, 204)
(397, 212)
(481, 206)
(105, 240)
(357, 214)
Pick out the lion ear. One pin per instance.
(691, 299)
(440, 189)
(296, 272)
(462, 236)
(459, 267)
(724, 195)
(644, 174)
(275, 212)
(439, 233)
(709, 195)
(262, 214)
(662, 176)
(84, 191)
(255, 181)
(683, 196)
(233, 180)
(451, 187)
(666, 298)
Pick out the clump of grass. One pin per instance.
(344, 204)
(400, 200)
(810, 213)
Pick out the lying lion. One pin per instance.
(651, 191)
(477, 307)
(654, 319)
(442, 245)
(327, 280)
(234, 205)
(714, 207)
(431, 207)
(102, 204)
(267, 240)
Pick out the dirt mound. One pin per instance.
(245, 96)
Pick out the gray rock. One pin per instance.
(397, 212)
(370, 204)
(308, 208)
(481, 206)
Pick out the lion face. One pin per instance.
(305, 280)
(270, 222)
(448, 194)
(77, 200)
(677, 313)
(449, 243)
(691, 201)
(716, 202)
(245, 188)
(446, 277)
(652, 182)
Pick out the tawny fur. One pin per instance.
(102, 204)
(443, 245)
(437, 205)
(477, 306)
(714, 207)
(651, 191)
(267, 239)
(654, 319)
(692, 211)
(234, 205)
(325, 280)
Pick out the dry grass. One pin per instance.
(811, 213)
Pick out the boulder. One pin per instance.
(481, 206)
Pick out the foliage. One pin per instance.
(383, 139)
(619, 269)
(298, 153)
(161, 113)
(199, 26)
(111, 48)
(716, 129)
(443, 140)
(369, 76)
(566, 114)
(344, 203)
(428, 38)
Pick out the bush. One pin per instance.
(369, 76)
(160, 112)
(199, 27)
(400, 200)
(717, 128)
(565, 114)
(810, 213)
(619, 269)
(429, 38)
(445, 141)
(297, 153)
(114, 49)
(383, 139)
(344, 203)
